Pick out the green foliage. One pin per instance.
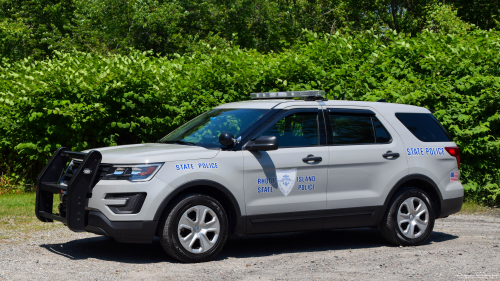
(33, 27)
(84, 100)
(443, 18)
(37, 28)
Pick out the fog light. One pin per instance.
(133, 202)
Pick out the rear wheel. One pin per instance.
(410, 218)
(195, 230)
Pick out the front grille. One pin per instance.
(73, 166)
(70, 171)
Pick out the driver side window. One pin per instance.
(296, 130)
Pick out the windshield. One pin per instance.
(205, 129)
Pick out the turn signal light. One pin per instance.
(455, 152)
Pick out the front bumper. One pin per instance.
(106, 193)
(76, 213)
(121, 231)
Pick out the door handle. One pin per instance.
(390, 155)
(310, 158)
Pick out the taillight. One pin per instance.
(455, 152)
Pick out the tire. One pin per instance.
(195, 230)
(406, 225)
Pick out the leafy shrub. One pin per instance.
(82, 100)
(37, 28)
(443, 18)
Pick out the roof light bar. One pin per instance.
(284, 95)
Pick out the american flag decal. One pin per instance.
(454, 176)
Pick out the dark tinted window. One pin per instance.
(380, 132)
(298, 129)
(352, 129)
(424, 126)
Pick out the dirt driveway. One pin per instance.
(461, 247)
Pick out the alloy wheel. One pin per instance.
(198, 229)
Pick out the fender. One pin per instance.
(240, 226)
(406, 179)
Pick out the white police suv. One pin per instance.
(272, 164)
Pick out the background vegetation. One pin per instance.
(37, 28)
(85, 74)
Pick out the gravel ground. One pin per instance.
(461, 247)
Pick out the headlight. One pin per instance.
(139, 172)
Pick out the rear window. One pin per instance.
(424, 127)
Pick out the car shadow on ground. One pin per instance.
(102, 248)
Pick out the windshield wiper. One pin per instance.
(183, 142)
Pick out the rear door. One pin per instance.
(367, 158)
(299, 202)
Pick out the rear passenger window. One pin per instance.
(299, 129)
(358, 129)
(352, 129)
(424, 126)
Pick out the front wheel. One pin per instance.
(410, 218)
(195, 230)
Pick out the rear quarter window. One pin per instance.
(424, 126)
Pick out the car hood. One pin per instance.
(152, 153)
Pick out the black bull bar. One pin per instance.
(77, 191)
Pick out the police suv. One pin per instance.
(272, 164)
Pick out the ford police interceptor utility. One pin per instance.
(267, 165)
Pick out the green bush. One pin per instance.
(37, 28)
(83, 100)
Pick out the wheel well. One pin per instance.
(427, 188)
(215, 193)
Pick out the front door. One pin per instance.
(285, 191)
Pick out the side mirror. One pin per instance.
(226, 138)
(263, 143)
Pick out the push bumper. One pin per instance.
(77, 191)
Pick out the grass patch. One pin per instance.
(469, 208)
(472, 208)
(17, 214)
(17, 205)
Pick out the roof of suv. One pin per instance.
(282, 103)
